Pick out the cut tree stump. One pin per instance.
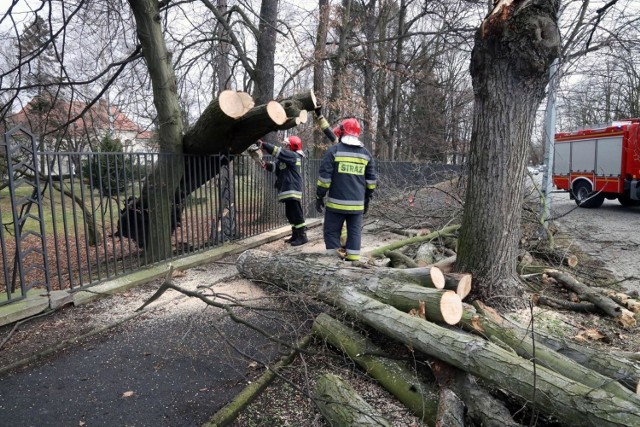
(342, 406)
(421, 398)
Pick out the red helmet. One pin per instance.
(293, 142)
(350, 127)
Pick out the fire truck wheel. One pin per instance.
(583, 195)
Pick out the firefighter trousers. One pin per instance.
(333, 227)
(293, 212)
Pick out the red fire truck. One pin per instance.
(602, 162)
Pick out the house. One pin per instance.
(73, 126)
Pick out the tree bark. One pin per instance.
(450, 409)
(514, 47)
(485, 409)
(608, 364)
(491, 325)
(578, 307)
(606, 304)
(392, 286)
(169, 170)
(420, 397)
(571, 402)
(211, 133)
(342, 406)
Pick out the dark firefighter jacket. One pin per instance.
(347, 172)
(287, 165)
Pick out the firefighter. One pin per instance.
(347, 174)
(287, 164)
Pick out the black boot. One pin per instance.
(290, 238)
(300, 237)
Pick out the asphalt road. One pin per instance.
(168, 367)
(610, 233)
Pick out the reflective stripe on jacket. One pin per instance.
(347, 173)
(287, 166)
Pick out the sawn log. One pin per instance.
(570, 401)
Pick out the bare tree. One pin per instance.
(514, 47)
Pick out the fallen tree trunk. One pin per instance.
(399, 259)
(211, 133)
(571, 402)
(392, 286)
(421, 398)
(450, 409)
(460, 283)
(608, 364)
(488, 323)
(606, 304)
(578, 307)
(481, 406)
(342, 406)
(254, 124)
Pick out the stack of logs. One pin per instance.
(417, 306)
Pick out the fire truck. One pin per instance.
(598, 163)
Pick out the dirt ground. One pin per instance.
(286, 402)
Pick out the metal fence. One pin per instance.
(70, 220)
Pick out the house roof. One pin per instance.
(97, 118)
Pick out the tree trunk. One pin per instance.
(342, 406)
(571, 402)
(514, 47)
(492, 326)
(169, 169)
(319, 54)
(485, 409)
(394, 287)
(266, 51)
(421, 398)
(606, 304)
(211, 133)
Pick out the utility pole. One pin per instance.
(549, 149)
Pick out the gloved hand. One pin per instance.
(318, 110)
(319, 204)
(366, 206)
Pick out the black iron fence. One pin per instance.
(71, 220)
